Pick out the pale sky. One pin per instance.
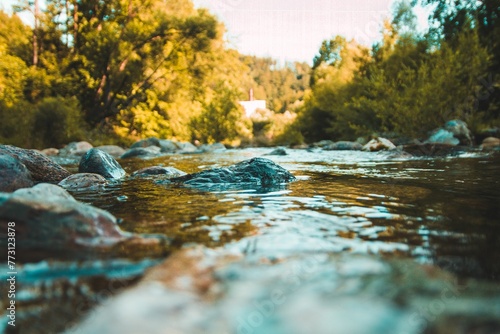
(292, 30)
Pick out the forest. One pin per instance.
(117, 71)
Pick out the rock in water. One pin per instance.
(258, 172)
(460, 131)
(142, 152)
(379, 144)
(113, 150)
(76, 148)
(13, 174)
(42, 169)
(278, 151)
(167, 172)
(152, 141)
(442, 136)
(48, 218)
(99, 162)
(83, 181)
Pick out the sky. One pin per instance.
(292, 30)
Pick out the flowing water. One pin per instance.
(440, 211)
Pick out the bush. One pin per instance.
(58, 121)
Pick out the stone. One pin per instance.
(217, 147)
(142, 152)
(100, 162)
(13, 174)
(83, 181)
(379, 144)
(76, 148)
(113, 150)
(460, 131)
(50, 152)
(323, 143)
(256, 172)
(490, 143)
(42, 169)
(48, 218)
(442, 136)
(187, 147)
(152, 141)
(168, 146)
(277, 151)
(168, 172)
(344, 146)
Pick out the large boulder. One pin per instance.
(48, 218)
(460, 131)
(13, 174)
(83, 181)
(100, 162)
(256, 172)
(146, 143)
(142, 152)
(379, 144)
(76, 148)
(113, 150)
(42, 169)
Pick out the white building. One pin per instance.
(252, 105)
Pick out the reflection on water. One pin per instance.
(441, 211)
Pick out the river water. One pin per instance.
(444, 212)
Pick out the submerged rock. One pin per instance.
(99, 162)
(42, 169)
(142, 152)
(76, 148)
(379, 144)
(83, 181)
(278, 151)
(212, 291)
(344, 146)
(258, 172)
(48, 218)
(113, 150)
(13, 174)
(168, 172)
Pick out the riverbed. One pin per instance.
(351, 206)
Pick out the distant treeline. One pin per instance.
(408, 84)
(117, 71)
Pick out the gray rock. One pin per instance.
(323, 143)
(379, 144)
(442, 136)
(344, 146)
(256, 172)
(152, 141)
(83, 181)
(278, 151)
(48, 218)
(142, 152)
(186, 147)
(168, 146)
(76, 148)
(168, 172)
(42, 169)
(217, 147)
(99, 162)
(460, 131)
(13, 174)
(113, 150)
